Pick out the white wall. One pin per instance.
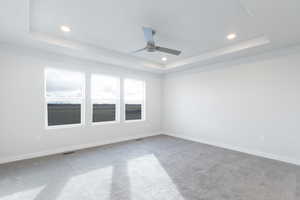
(22, 114)
(251, 105)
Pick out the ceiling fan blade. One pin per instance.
(167, 50)
(139, 50)
(148, 34)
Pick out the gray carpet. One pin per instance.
(155, 168)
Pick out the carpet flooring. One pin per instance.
(154, 168)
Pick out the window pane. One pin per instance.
(105, 88)
(105, 92)
(104, 112)
(134, 97)
(63, 83)
(63, 114)
(134, 91)
(133, 111)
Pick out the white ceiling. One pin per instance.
(109, 30)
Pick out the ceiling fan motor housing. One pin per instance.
(151, 47)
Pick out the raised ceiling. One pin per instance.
(191, 26)
(109, 30)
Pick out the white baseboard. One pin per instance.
(72, 148)
(90, 145)
(240, 149)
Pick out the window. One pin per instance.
(134, 99)
(105, 91)
(64, 97)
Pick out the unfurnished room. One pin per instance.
(150, 100)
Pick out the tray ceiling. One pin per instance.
(109, 30)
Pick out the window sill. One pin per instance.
(134, 121)
(64, 126)
(104, 123)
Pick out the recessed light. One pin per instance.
(164, 59)
(231, 36)
(65, 28)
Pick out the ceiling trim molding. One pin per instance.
(255, 42)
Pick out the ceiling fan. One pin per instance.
(151, 47)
